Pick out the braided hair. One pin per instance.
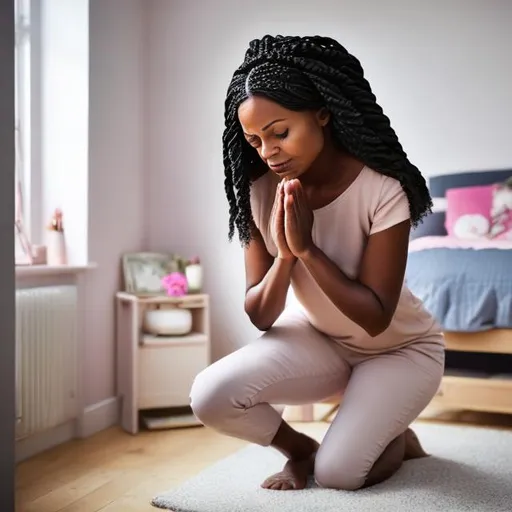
(305, 73)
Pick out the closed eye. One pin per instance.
(253, 141)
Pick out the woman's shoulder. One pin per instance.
(379, 187)
(377, 181)
(388, 200)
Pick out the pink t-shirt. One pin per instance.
(373, 202)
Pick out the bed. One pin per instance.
(467, 285)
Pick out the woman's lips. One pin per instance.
(283, 166)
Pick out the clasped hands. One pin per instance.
(291, 221)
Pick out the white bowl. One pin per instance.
(168, 322)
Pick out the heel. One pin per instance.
(413, 448)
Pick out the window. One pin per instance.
(22, 98)
(52, 109)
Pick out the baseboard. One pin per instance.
(99, 416)
(96, 417)
(38, 443)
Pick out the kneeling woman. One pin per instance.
(323, 198)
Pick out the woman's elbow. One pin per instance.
(256, 319)
(261, 326)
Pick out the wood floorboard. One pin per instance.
(117, 472)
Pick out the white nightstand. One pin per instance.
(156, 372)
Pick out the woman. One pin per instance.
(323, 197)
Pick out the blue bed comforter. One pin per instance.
(465, 289)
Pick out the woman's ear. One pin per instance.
(323, 116)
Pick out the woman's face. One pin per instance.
(287, 141)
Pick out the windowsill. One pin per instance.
(52, 270)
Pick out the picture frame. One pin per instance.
(143, 271)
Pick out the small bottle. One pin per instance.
(194, 275)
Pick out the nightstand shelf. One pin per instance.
(156, 372)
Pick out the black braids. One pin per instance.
(378, 147)
(290, 86)
(360, 94)
(329, 49)
(375, 142)
(374, 117)
(236, 183)
(229, 154)
(303, 73)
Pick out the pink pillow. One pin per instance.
(468, 211)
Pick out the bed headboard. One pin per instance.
(433, 225)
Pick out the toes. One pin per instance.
(282, 485)
(267, 483)
(271, 483)
(279, 484)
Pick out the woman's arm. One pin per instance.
(267, 283)
(369, 300)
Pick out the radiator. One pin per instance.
(46, 358)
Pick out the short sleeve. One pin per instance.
(392, 207)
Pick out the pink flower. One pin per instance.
(175, 284)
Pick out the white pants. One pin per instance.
(293, 363)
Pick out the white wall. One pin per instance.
(441, 71)
(117, 174)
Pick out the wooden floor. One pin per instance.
(116, 472)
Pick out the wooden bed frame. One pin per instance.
(477, 393)
(458, 392)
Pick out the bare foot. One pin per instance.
(413, 448)
(294, 475)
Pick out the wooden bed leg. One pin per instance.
(307, 412)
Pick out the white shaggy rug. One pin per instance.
(470, 469)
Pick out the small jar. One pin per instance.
(56, 253)
(56, 248)
(194, 275)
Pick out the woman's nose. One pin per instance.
(268, 151)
